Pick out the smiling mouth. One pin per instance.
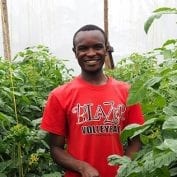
(91, 62)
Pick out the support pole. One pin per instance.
(109, 63)
(106, 17)
(5, 29)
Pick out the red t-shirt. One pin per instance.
(91, 118)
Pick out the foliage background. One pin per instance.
(34, 72)
(25, 83)
(153, 76)
(53, 23)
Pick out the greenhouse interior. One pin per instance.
(66, 53)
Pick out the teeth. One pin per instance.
(91, 62)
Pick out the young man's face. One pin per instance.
(90, 50)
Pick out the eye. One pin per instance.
(82, 48)
(98, 46)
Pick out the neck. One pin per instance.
(95, 78)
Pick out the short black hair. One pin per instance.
(89, 27)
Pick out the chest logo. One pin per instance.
(106, 117)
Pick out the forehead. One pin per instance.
(86, 37)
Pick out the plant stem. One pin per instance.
(20, 167)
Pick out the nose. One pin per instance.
(91, 52)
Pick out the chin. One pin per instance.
(92, 71)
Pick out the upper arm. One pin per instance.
(134, 114)
(54, 116)
(56, 141)
(134, 145)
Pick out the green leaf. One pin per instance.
(164, 159)
(170, 123)
(36, 122)
(6, 118)
(166, 9)
(168, 144)
(160, 101)
(130, 170)
(169, 134)
(150, 20)
(171, 109)
(162, 172)
(137, 90)
(128, 167)
(167, 54)
(170, 41)
(144, 139)
(153, 81)
(173, 172)
(3, 175)
(5, 164)
(133, 130)
(55, 174)
(118, 160)
(159, 160)
(157, 14)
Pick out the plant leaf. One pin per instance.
(150, 20)
(168, 144)
(157, 14)
(55, 174)
(170, 123)
(118, 160)
(137, 90)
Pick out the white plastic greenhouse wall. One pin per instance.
(53, 23)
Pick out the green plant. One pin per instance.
(25, 84)
(154, 86)
(157, 14)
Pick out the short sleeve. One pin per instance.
(134, 115)
(54, 118)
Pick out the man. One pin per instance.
(89, 112)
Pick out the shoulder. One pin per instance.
(121, 88)
(66, 88)
(120, 84)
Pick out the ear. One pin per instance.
(74, 50)
(107, 48)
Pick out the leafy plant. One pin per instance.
(25, 84)
(154, 84)
(157, 14)
(155, 87)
